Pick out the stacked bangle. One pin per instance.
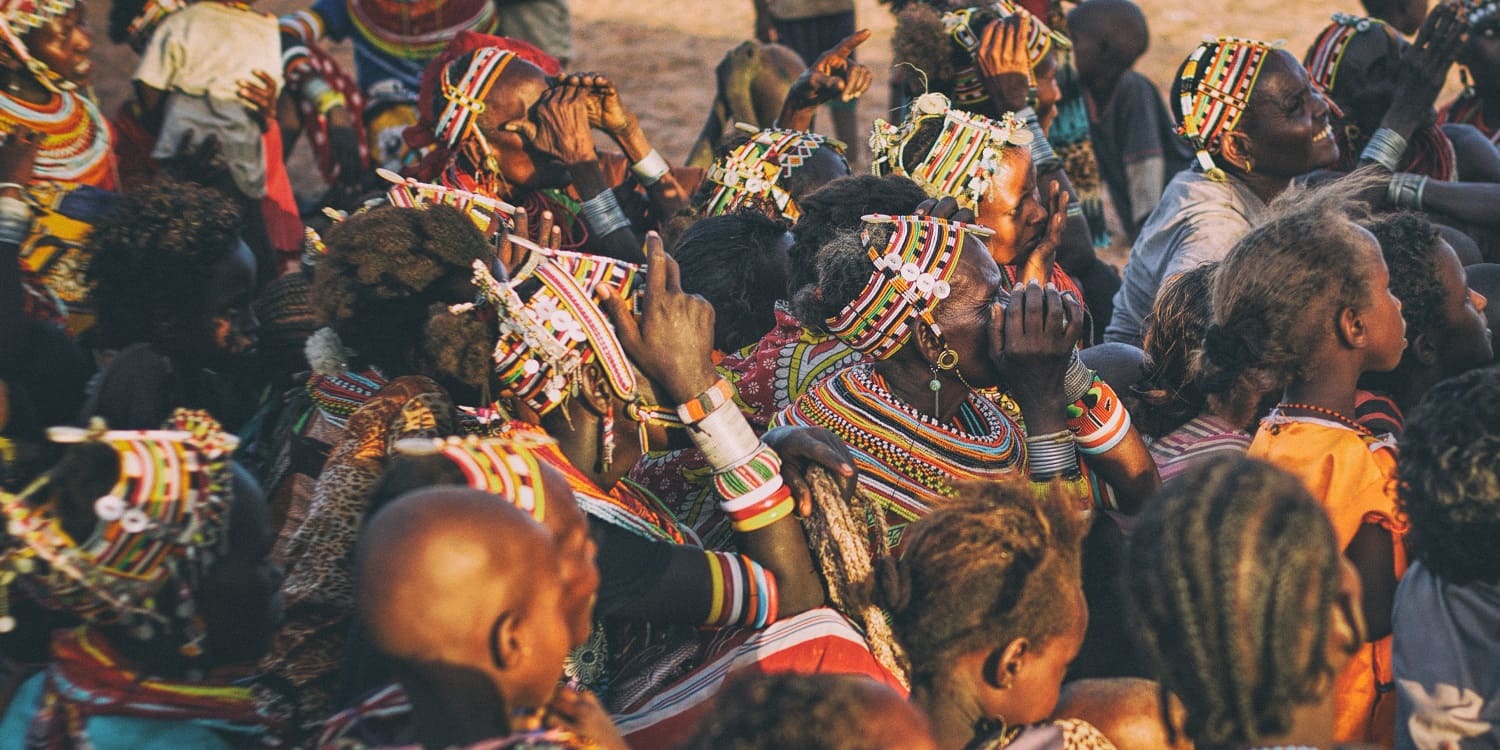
(699, 407)
(603, 214)
(1077, 380)
(1042, 154)
(649, 170)
(1052, 455)
(744, 593)
(747, 473)
(1406, 190)
(15, 218)
(1386, 147)
(724, 437)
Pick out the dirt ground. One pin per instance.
(662, 55)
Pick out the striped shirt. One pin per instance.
(1203, 437)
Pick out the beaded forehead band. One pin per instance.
(504, 466)
(1327, 51)
(1040, 41)
(912, 269)
(483, 210)
(756, 171)
(464, 100)
(1216, 83)
(164, 519)
(18, 18)
(962, 161)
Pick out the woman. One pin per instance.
(1244, 606)
(932, 341)
(1256, 121)
(157, 545)
(769, 171)
(988, 604)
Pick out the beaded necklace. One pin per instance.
(1331, 414)
(340, 395)
(75, 139)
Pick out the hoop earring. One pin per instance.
(947, 359)
(1353, 134)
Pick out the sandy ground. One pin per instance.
(662, 54)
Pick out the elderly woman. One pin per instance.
(923, 300)
(1256, 122)
(158, 547)
(769, 171)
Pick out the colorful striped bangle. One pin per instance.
(754, 503)
(760, 468)
(762, 520)
(744, 592)
(697, 408)
(1098, 419)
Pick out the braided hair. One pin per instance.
(838, 207)
(985, 568)
(1233, 572)
(1168, 396)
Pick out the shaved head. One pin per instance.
(1120, 21)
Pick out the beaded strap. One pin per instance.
(1216, 83)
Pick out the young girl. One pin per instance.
(1302, 304)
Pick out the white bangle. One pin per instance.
(649, 170)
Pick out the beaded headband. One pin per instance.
(755, 172)
(964, 158)
(406, 192)
(1327, 51)
(163, 521)
(17, 18)
(464, 101)
(504, 466)
(1040, 41)
(1216, 82)
(911, 275)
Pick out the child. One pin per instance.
(1303, 304)
(1447, 687)
(1135, 142)
(1484, 279)
(1446, 332)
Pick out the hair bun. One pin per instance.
(1229, 350)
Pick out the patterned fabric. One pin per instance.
(87, 679)
(1378, 413)
(379, 719)
(76, 143)
(961, 161)
(319, 585)
(1071, 136)
(1352, 475)
(910, 278)
(1201, 439)
(418, 31)
(885, 436)
(755, 173)
(1064, 734)
(1216, 83)
(55, 252)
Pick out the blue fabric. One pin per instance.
(107, 732)
(382, 77)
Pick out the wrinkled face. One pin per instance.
(1381, 311)
(1463, 343)
(1366, 81)
(509, 128)
(228, 330)
(964, 316)
(1033, 695)
(1481, 53)
(576, 550)
(1013, 208)
(238, 597)
(1048, 92)
(1287, 121)
(63, 45)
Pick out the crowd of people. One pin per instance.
(513, 440)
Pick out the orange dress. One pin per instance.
(1352, 475)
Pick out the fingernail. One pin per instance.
(1052, 286)
(1019, 287)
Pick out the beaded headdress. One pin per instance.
(1215, 84)
(912, 269)
(755, 172)
(19, 17)
(1478, 10)
(506, 465)
(962, 160)
(163, 522)
(463, 100)
(1040, 41)
(1327, 51)
(483, 210)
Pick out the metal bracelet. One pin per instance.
(603, 214)
(649, 170)
(1386, 147)
(1405, 190)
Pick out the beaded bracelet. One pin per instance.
(1405, 190)
(700, 406)
(1098, 420)
(649, 170)
(761, 468)
(1042, 155)
(1386, 147)
(1052, 455)
(603, 214)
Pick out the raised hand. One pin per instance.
(1031, 339)
(834, 75)
(562, 124)
(258, 94)
(606, 112)
(1004, 63)
(670, 338)
(1424, 69)
(1040, 259)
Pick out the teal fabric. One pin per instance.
(108, 732)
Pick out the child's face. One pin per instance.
(1463, 343)
(1381, 312)
(228, 329)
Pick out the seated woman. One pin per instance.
(157, 545)
(1256, 121)
(923, 300)
(1250, 660)
(988, 604)
(769, 171)
(174, 283)
(1446, 332)
(502, 127)
(1192, 419)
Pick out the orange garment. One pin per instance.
(1352, 475)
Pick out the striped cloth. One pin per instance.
(1202, 438)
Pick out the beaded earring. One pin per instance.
(607, 439)
(936, 386)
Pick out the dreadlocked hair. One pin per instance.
(838, 207)
(458, 348)
(1280, 288)
(776, 711)
(985, 568)
(844, 268)
(385, 268)
(922, 42)
(1168, 396)
(1447, 480)
(153, 256)
(1233, 572)
(851, 547)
